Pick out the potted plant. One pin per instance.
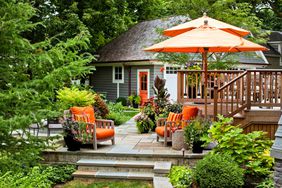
(196, 129)
(134, 100)
(70, 135)
(70, 97)
(144, 123)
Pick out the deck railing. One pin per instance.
(232, 91)
(191, 84)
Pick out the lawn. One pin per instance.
(106, 184)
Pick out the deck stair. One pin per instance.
(155, 171)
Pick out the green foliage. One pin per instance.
(37, 177)
(218, 170)
(196, 129)
(100, 106)
(134, 99)
(180, 176)
(59, 173)
(250, 151)
(118, 114)
(175, 108)
(69, 97)
(122, 100)
(266, 183)
(144, 123)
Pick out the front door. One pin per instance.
(143, 86)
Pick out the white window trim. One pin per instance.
(122, 73)
(138, 83)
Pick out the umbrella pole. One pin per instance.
(205, 64)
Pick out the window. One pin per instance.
(172, 70)
(118, 74)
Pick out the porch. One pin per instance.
(251, 97)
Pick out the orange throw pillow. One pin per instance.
(87, 111)
(189, 112)
(174, 117)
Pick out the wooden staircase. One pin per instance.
(153, 171)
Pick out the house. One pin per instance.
(274, 55)
(123, 68)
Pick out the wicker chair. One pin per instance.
(100, 131)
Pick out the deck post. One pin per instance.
(215, 102)
(276, 152)
(180, 87)
(248, 97)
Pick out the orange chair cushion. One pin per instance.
(189, 112)
(102, 133)
(160, 131)
(85, 111)
(174, 117)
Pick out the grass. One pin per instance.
(107, 184)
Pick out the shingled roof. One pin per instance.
(129, 45)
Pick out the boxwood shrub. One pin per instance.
(218, 171)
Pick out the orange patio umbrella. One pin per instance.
(182, 28)
(203, 40)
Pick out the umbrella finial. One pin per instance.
(204, 14)
(206, 22)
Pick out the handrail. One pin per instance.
(232, 81)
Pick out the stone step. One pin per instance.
(124, 165)
(79, 174)
(161, 182)
(115, 163)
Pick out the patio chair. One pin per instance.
(166, 126)
(97, 130)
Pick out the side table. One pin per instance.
(178, 141)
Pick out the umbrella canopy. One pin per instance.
(203, 40)
(205, 37)
(179, 29)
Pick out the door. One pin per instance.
(143, 86)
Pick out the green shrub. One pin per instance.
(59, 173)
(267, 183)
(69, 97)
(175, 108)
(180, 176)
(218, 171)
(118, 118)
(41, 177)
(122, 100)
(250, 151)
(196, 129)
(100, 106)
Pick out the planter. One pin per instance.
(197, 147)
(135, 105)
(72, 144)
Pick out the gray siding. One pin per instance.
(123, 88)
(102, 81)
(274, 63)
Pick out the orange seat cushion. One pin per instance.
(102, 133)
(160, 131)
(189, 112)
(174, 117)
(86, 111)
